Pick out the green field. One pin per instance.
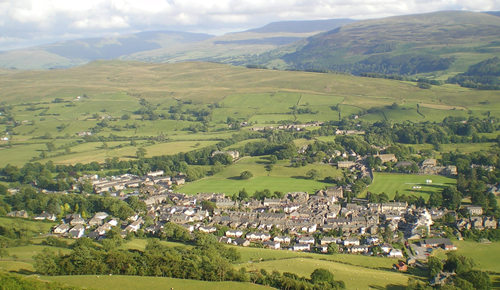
(353, 276)
(484, 254)
(282, 178)
(136, 282)
(41, 227)
(403, 183)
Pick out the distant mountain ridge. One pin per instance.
(80, 51)
(430, 44)
(167, 46)
(302, 26)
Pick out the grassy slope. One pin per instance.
(133, 282)
(357, 271)
(354, 277)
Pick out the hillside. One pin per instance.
(45, 106)
(81, 51)
(448, 41)
(236, 48)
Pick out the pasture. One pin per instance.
(116, 282)
(354, 277)
(484, 254)
(282, 178)
(404, 183)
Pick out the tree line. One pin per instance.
(207, 260)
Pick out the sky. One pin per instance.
(25, 23)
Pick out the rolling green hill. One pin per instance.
(445, 42)
(260, 97)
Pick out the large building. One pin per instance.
(235, 154)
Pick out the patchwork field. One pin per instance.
(403, 183)
(46, 107)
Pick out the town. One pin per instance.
(327, 221)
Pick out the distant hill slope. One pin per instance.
(80, 51)
(302, 26)
(495, 13)
(413, 44)
(237, 48)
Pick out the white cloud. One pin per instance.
(38, 19)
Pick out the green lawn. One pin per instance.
(403, 183)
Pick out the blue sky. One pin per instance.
(26, 23)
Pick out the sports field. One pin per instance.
(404, 183)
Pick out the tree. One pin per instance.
(246, 175)
(479, 279)
(452, 199)
(125, 117)
(434, 266)
(273, 159)
(51, 146)
(3, 189)
(217, 167)
(322, 275)
(312, 174)
(333, 248)
(242, 195)
(141, 152)
(435, 200)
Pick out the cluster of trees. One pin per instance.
(208, 260)
(18, 233)
(482, 76)
(466, 276)
(388, 76)
(405, 64)
(34, 202)
(13, 281)
(451, 130)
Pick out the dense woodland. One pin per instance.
(482, 76)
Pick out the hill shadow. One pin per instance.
(23, 272)
(495, 282)
(388, 287)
